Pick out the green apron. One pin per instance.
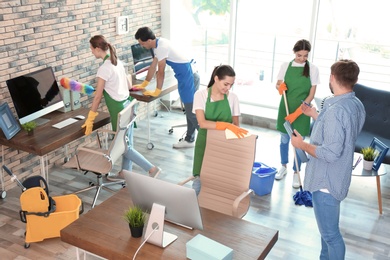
(214, 111)
(298, 88)
(114, 107)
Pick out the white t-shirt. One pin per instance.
(200, 100)
(314, 72)
(116, 80)
(166, 50)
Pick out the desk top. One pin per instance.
(170, 84)
(47, 138)
(102, 231)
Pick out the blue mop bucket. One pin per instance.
(262, 179)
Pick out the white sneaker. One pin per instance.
(155, 173)
(183, 144)
(281, 173)
(295, 181)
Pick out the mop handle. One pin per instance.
(13, 177)
(295, 153)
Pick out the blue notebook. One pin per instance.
(300, 153)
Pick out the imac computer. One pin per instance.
(34, 95)
(164, 201)
(142, 58)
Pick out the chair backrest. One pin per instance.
(226, 172)
(119, 145)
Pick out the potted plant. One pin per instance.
(29, 127)
(136, 219)
(369, 155)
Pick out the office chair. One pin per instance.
(176, 126)
(226, 173)
(100, 161)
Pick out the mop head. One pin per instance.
(303, 198)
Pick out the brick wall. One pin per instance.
(35, 34)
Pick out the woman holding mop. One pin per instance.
(298, 79)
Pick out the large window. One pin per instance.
(256, 36)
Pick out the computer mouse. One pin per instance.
(81, 117)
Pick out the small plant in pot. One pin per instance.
(136, 219)
(369, 155)
(29, 127)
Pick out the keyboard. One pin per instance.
(64, 123)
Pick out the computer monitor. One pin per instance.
(181, 203)
(142, 58)
(34, 95)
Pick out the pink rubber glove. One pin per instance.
(293, 116)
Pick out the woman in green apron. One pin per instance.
(114, 85)
(299, 80)
(216, 108)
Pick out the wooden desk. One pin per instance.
(47, 138)
(102, 231)
(359, 171)
(170, 84)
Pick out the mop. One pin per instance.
(301, 197)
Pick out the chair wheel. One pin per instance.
(123, 185)
(26, 245)
(170, 131)
(3, 194)
(150, 146)
(91, 184)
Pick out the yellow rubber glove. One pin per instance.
(238, 131)
(291, 117)
(282, 87)
(142, 85)
(89, 122)
(154, 93)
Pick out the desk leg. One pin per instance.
(150, 145)
(378, 187)
(44, 168)
(147, 111)
(1, 171)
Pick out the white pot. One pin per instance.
(367, 165)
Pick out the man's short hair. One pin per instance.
(144, 34)
(346, 72)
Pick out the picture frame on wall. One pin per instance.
(8, 123)
(382, 150)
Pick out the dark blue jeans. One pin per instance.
(192, 122)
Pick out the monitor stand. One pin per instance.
(155, 233)
(41, 120)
